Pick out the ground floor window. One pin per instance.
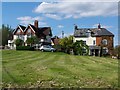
(105, 50)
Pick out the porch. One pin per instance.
(94, 50)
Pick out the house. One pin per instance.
(99, 40)
(44, 34)
(55, 40)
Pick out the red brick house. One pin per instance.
(100, 40)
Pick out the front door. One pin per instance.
(96, 52)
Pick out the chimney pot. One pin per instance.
(76, 27)
(99, 26)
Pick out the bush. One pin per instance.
(57, 47)
(25, 48)
(19, 42)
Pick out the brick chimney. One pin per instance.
(99, 26)
(36, 23)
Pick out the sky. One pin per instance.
(62, 15)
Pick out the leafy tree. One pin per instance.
(77, 48)
(32, 40)
(19, 42)
(117, 51)
(66, 43)
(80, 48)
(6, 32)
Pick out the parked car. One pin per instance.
(47, 48)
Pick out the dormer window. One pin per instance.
(104, 42)
(88, 33)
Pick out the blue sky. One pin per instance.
(61, 16)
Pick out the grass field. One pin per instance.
(46, 69)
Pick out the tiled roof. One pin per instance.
(23, 27)
(19, 26)
(40, 32)
(83, 32)
(43, 31)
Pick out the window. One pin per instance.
(93, 42)
(84, 42)
(88, 33)
(29, 35)
(29, 31)
(105, 50)
(104, 41)
(83, 50)
(21, 37)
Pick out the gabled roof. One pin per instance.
(44, 31)
(102, 32)
(40, 32)
(20, 27)
(23, 27)
(31, 26)
(83, 32)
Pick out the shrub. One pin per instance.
(25, 48)
(57, 47)
(19, 42)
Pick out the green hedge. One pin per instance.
(25, 48)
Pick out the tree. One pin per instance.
(80, 48)
(6, 32)
(32, 40)
(66, 43)
(19, 42)
(117, 51)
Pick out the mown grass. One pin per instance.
(46, 69)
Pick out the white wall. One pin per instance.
(15, 37)
(25, 38)
(89, 40)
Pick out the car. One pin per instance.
(47, 48)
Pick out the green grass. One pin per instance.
(46, 69)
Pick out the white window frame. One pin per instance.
(105, 41)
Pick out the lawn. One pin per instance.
(46, 69)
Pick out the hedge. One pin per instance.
(25, 48)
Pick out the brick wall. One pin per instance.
(109, 45)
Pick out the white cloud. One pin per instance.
(53, 16)
(102, 26)
(24, 18)
(60, 26)
(77, 9)
(60, 0)
(90, 0)
(42, 24)
(30, 20)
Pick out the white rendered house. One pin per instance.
(44, 34)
